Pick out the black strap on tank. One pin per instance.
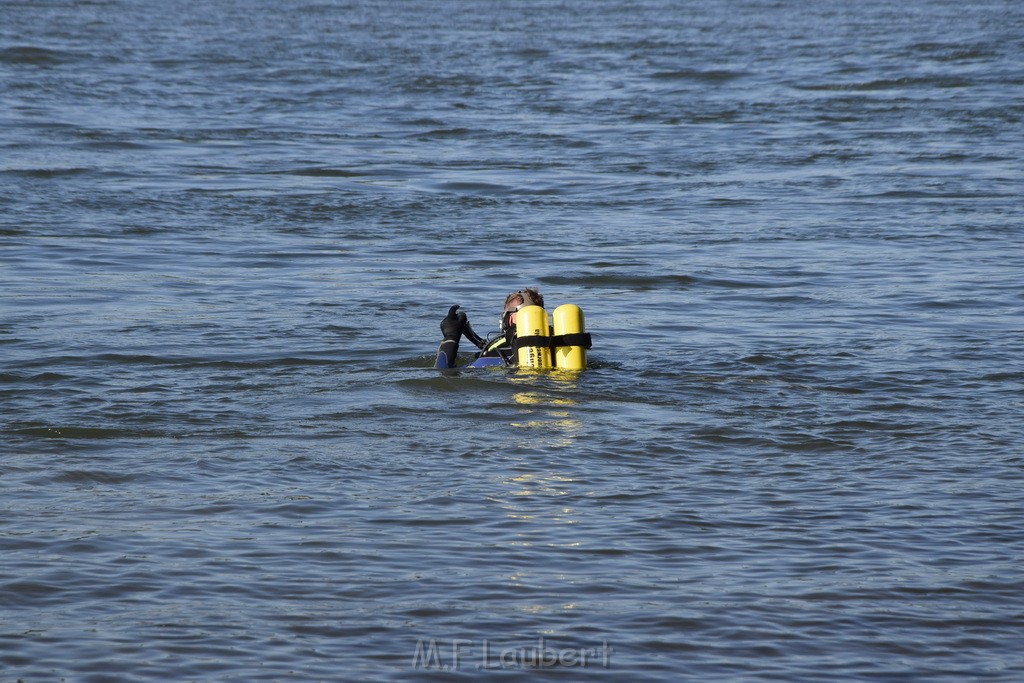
(575, 339)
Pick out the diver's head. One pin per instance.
(516, 300)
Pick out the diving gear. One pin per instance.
(452, 324)
(532, 345)
(570, 341)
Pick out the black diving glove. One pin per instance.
(451, 328)
(456, 325)
(453, 323)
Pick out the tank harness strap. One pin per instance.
(494, 344)
(576, 339)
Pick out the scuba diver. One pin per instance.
(497, 350)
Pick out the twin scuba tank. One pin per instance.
(561, 343)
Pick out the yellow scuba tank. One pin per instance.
(568, 320)
(532, 334)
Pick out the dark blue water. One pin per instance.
(228, 232)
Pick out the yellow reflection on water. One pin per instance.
(544, 420)
(531, 609)
(549, 421)
(532, 483)
(525, 490)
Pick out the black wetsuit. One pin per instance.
(500, 347)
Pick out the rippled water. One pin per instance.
(228, 232)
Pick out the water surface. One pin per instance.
(228, 234)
